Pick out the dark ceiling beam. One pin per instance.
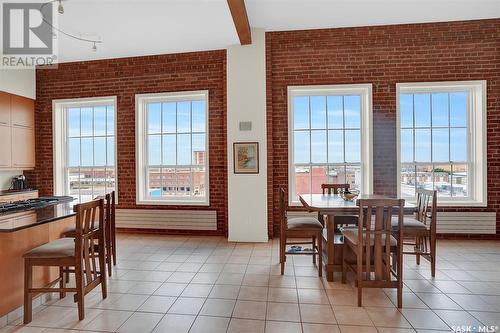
(240, 19)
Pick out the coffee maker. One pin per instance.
(19, 183)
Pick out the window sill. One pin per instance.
(172, 203)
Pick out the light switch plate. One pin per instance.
(245, 125)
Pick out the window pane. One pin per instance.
(301, 112)
(100, 151)
(87, 152)
(73, 122)
(168, 120)
(86, 181)
(169, 181)
(458, 142)
(86, 121)
(301, 147)
(302, 181)
(110, 110)
(424, 177)
(353, 146)
(110, 179)
(198, 110)
(460, 181)
(154, 182)
(154, 149)
(319, 176)
(336, 175)
(352, 111)
(407, 181)
(99, 182)
(318, 112)
(183, 182)
(440, 148)
(74, 152)
(154, 118)
(198, 149)
(198, 182)
(335, 112)
(100, 120)
(406, 145)
(406, 110)
(111, 151)
(353, 176)
(458, 109)
(442, 180)
(318, 146)
(183, 149)
(440, 109)
(336, 146)
(183, 117)
(74, 183)
(422, 104)
(422, 145)
(168, 149)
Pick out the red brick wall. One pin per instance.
(383, 56)
(124, 78)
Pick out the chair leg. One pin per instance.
(417, 248)
(102, 269)
(109, 254)
(28, 275)
(62, 282)
(344, 264)
(320, 255)
(433, 256)
(80, 292)
(400, 281)
(313, 247)
(282, 253)
(359, 270)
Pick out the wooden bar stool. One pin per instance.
(75, 252)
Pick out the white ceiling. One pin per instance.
(145, 27)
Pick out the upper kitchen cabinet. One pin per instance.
(17, 126)
(22, 112)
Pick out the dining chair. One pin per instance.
(299, 227)
(333, 188)
(377, 247)
(75, 252)
(420, 229)
(339, 220)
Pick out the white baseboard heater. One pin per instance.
(466, 222)
(166, 219)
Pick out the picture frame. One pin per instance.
(246, 157)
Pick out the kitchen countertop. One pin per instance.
(18, 220)
(14, 192)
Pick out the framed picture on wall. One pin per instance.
(246, 157)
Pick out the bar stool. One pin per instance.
(75, 252)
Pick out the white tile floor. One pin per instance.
(205, 284)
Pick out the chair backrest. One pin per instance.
(375, 233)
(283, 220)
(426, 207)
(333, 188)
(89, 229)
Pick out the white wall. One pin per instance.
(18, 81)
(246, 101)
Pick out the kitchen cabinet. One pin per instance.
(17, 132)
(18, 196)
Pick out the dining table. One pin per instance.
(328, 206)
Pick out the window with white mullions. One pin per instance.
(326, 143)
(172, 145)
(442, 139)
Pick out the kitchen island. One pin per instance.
(21, 231)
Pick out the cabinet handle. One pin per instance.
(3, 122)
(20, 125)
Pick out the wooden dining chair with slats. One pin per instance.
(377, 247)
(333, 188)
(339, 220)
(78, 252)
(299, 227)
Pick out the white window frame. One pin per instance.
(141, 146)
(59, 137)
(365, 91)
(477, 136)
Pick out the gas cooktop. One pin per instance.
(33, 203)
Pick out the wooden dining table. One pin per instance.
(327, 206)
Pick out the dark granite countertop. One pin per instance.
(22, 219)
(14, 192)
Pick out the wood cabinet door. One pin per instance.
(23, 148)
(22, 111)
(4, 108)
(5, 146)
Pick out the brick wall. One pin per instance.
(383, 56)
(124, 78)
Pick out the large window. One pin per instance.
(442, 140)
(84, 140)
(172, 148)
(329, 137)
